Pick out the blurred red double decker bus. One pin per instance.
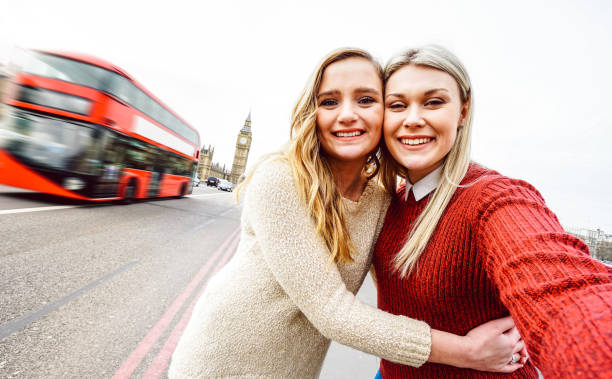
(79, 127)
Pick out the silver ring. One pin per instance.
(515, 358)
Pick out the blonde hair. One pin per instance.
(455, 163)
(309, 166)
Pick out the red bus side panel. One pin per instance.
(13, 173)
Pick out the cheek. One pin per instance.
(323, 122)
(389, 126)
(373, 117)
(448, 139)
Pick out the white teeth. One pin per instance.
(415, 141)
(348, 134)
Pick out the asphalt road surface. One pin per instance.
(105, 290)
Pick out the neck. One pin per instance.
(349, 178)
(416, 175)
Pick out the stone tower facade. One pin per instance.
(206, 157)
(241, 155)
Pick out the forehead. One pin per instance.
(350, 72)
(418, 79)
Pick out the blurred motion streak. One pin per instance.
(76, 126)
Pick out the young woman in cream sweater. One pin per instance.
(310, 219)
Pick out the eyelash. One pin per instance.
(430, 102)
(396, 105)
(434, 102)
(366, 100)
(328, 103)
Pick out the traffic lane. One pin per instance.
(50, 253)
(91, 335)
(22, 231)
(17, 198)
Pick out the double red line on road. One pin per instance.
(161, 360)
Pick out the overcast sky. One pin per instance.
(540, 71)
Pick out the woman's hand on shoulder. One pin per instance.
(495, 346)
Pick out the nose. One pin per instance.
(347, 113)
(413, 119)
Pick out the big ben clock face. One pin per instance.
(243, 140)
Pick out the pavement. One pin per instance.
(105, 290)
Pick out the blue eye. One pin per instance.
(434, 102)
(396, 105)
(366, 100)
(328, 103)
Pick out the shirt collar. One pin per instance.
(426, 185)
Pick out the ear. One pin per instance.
(464, 111)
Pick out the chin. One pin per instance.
(414, 166)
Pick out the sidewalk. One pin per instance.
(342, 361)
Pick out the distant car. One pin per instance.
(225, 185)
(212, 181)
(196, 182)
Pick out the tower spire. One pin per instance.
(247, 123)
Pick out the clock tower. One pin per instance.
(243, 145)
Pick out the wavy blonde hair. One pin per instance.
(310, 168)
(455, 164)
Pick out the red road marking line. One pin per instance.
(134, 359)
(160, 363)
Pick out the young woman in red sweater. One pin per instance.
(463, 244)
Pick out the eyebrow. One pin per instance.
(435, 90)
(358, 90)
(427, 93)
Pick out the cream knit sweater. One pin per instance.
(272, 310)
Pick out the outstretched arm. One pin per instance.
(559, 297)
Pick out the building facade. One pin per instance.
(206, 166)
(600, 243)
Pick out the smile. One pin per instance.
(353, 133)
(415, 141)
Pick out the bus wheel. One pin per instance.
(130, 193)
(183, 191)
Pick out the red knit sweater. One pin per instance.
(497, 250)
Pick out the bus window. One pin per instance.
(123, 89)
(112, 159)
(188, 167)
(135, 155)
(85, 150)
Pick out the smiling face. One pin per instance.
(350, 110)
(423, 110)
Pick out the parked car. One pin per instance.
(212, 181)
(225, 185)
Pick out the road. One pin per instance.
(101, 291)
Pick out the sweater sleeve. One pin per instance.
(559, 297)
(299, 261)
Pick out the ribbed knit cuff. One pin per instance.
(420, 337)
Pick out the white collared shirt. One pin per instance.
(426, 185)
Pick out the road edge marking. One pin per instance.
(138, 354)
(37, 209)
(160, 363)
